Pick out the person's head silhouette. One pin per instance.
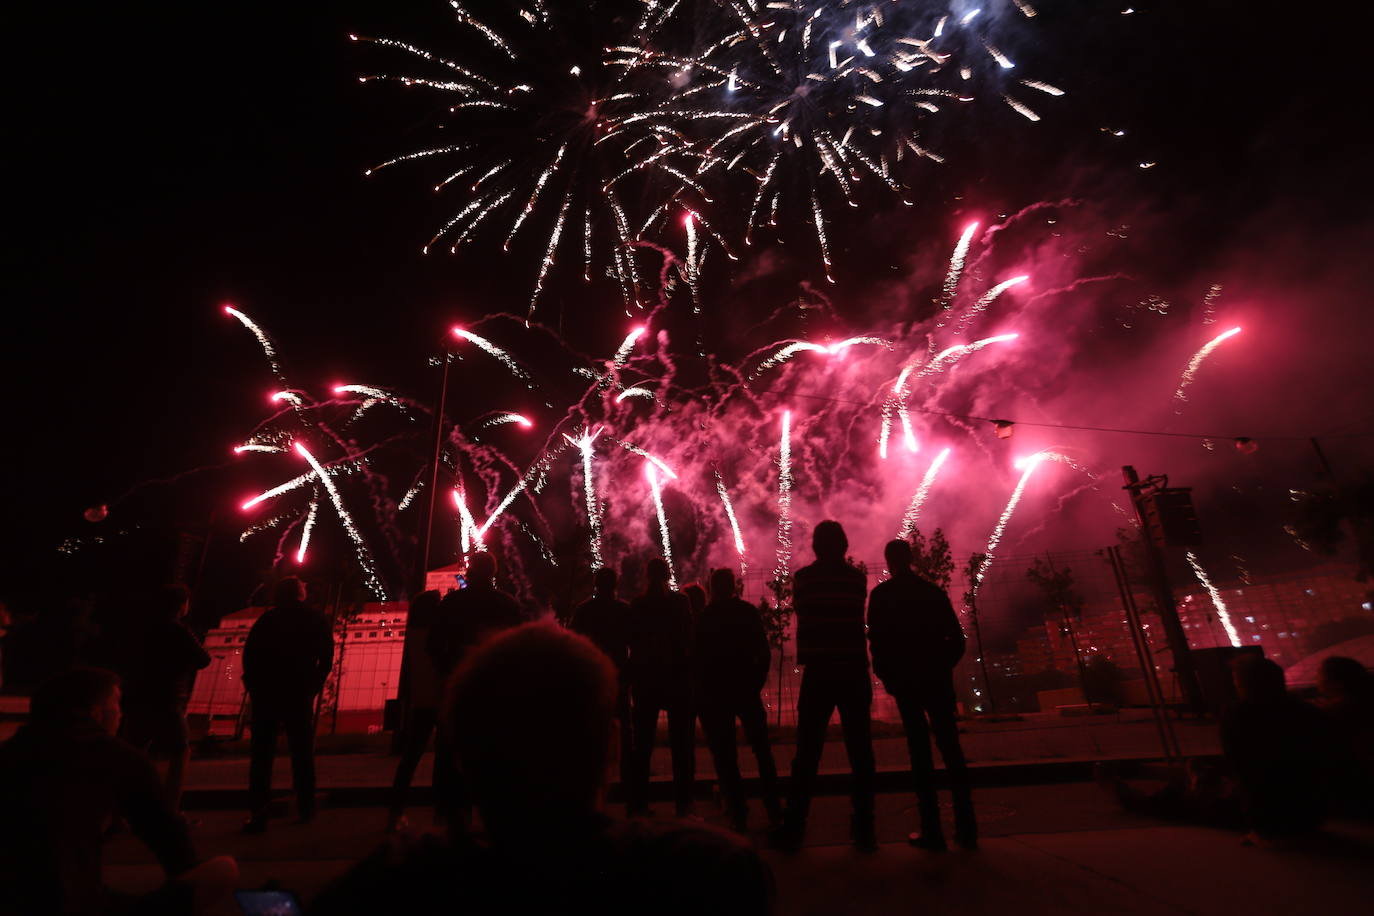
(898, 556)
(657, 573)
(723, 584)
(530, 711)
(604, 582)
(481, 570)
(1259, 679)
(829, 542)
(75, 695)
(290, 592)
(696, 596)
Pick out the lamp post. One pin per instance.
(436, 450)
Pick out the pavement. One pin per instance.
(1064, 848)
(1033, 748)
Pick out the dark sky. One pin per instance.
(166, 158)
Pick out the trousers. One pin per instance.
(824, 689)
(295, 716)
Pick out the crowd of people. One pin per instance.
(529, 719)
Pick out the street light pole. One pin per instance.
(436, 451)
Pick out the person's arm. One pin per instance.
(194, 653)
(324, 652)
(763, 652)
(143, 805)
(954, 639)
(251, 650)
(879, 640)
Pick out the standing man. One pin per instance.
(288, 656)
(829, 599)
(158, 660)
(421, 714)
(661, 680)
(917, 641)
(466, 617)
(730, 657)
(605, 620)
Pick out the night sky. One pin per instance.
(166, 160)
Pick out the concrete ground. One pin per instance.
(1038, 740)
(1062, 848)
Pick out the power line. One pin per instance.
(1069, 426)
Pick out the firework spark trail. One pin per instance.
(956, 263)
(896, 401)
(734, 523)
(659, 462)
(367, 391)
(503, 418)
(493, 350)
(786, 353)
(469, 535)
(309, 527)
(989, 297)
(288, 396)
(693, 264)
(584, 445)
(635, 393)
(626, 347)
(364, 556)
(409, 497)
(265, 525)
(504, 504)
(264, 341)
(918, 500)
(1030, 464)
(652, 473)
(784, 567)
(1180, 396)
(257, 447)
(278, 490)
(951, 355)
(1223, 613)
(791, 349)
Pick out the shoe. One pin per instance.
(928, 842)
(255, 824)
(864, 835)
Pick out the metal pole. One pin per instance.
(1168, 610)
(436, 451)
(1154, 692)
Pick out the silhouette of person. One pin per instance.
(829, 599)
(696, 600)
(64, 778)
(730, 659)
(157, 658)
(1280, 751)
(661, 681)
(605, 620)
(422, 704)
(286, 660)
(1347, 698)
(540, 788)
(466, 617)
(916, 641)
